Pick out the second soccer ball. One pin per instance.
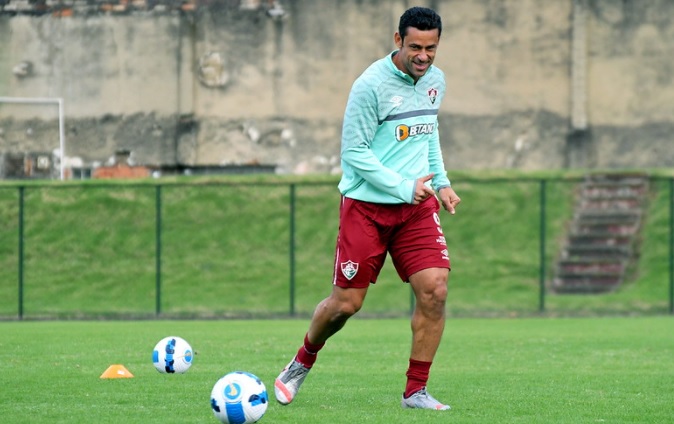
(172, 355)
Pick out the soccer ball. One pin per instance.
(172, 355)
(239, 398)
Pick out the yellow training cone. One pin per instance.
(116, 371)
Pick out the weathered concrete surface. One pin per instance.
(224, 85)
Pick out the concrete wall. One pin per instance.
(222, 84)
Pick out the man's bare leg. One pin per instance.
(329, 317)
(428, 324)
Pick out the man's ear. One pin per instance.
(398, 40)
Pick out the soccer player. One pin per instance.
(393, 183)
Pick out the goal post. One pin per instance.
(44, 100)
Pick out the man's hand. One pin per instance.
(422, 191)
(449, 199)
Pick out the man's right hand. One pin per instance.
(421, 190)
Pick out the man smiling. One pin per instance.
(392, 186)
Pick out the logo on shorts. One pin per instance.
(349, 269)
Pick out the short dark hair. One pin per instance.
(421, 18)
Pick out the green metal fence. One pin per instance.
(214, 250)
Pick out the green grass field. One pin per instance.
(527, 370)
(90, 253)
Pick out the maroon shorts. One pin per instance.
(411, 234)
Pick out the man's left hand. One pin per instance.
(449, 199)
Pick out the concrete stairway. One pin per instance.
(603, 239)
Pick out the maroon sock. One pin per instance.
(417, 376)
(308, 352)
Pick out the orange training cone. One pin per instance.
(116, 371)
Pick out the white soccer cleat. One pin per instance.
(288, 383)
(422, 400)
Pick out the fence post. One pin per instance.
(291, 249)
(541, 301)
(671, 245)
(158, 250)
(21, 202)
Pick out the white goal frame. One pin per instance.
(42, 100)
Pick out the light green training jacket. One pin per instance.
(390, 134)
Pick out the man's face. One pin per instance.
(416, 51)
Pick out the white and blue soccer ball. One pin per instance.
(239, 398)
(172, 355)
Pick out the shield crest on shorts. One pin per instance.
(349, 269)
